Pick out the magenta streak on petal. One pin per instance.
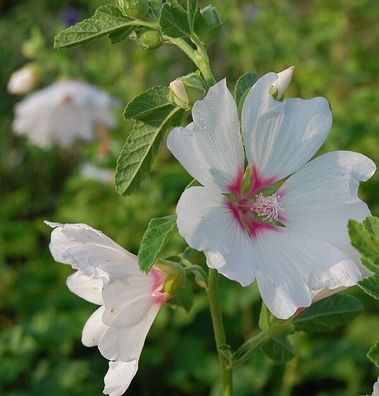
(235, 213)
(257, 183)
(235, 188)
(158, 282)
(255, 227)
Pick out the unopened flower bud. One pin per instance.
(135, 9)
(23, 80)
(281, 84)
(187, 90)
(150, 39)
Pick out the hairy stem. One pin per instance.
(218, 328)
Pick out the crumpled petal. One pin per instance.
(208, 225)
(119, 377)
(94, 329)
(280, 137)
(86, 287)
(210, 148)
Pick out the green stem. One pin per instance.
(243, 354)
(218, 328)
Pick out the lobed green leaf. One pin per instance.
(364, 236)
(371, 286)
(373, 354)
(279, 349)
(192, 8)
(151, 106)
(153, 240)
(173, 21)
(106, 20)
(243, 85)
(327, 314)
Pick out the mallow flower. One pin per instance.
(109, 276)
(282, 221)
(64, 112)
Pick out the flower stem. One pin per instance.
(218, 328)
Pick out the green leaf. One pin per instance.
(264, 317)
(173, 22)
(278, 349)
(107, 20)
(373, 354)
(120, 35)
(243, 85)
(151, 106)
(192, 7)
(371, 224)
(327, 314)
(363, 236)
(153, 240)
(208, 24)
(371, 286)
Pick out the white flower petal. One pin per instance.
(126, 343)
(321, 197)
(292, 266)
(86, 287)
(94, 329)
(127, 303)
(119, 376)
(87, 249)
(280, 137)
(208, 225)
(210, 148)
(376, 388)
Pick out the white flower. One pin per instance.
(293, 242)
(375, 391)
(92, 172)
(129, 300)
(23, 80)
(62, 113)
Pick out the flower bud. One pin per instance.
(150, 39)
(187, 90)
(175, 276)
(135, 9)
(281, 84)
(23, 80)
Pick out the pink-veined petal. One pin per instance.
(88, 250)
(126, 343)
(94, 329)
(207, 224)
(293, 266)
(119, 376)
(322, 196)
(86, 287)
(210, 148)
(280, 137)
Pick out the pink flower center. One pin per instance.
(253, 211)
(158, 283)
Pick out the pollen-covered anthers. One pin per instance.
(266, 207)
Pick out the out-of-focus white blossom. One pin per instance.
(63, 113)
(92, 172)
(23, 80)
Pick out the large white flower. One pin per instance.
(62, 113)
(294, 241)
(129, 300)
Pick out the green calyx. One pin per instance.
(186, 90)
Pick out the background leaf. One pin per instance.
(371, 286)
(243, 85)
(107, 19)
(279, 349)
(154, 239)
(373, 354)
(329, 313)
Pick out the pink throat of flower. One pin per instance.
(158, 283)
(252, 211)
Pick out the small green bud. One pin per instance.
(188, 89)
(150, 39)
(135, 9)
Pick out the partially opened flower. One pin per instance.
(63, 113)
(290, 236)
(129, 300)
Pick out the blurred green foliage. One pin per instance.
(332, 44)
